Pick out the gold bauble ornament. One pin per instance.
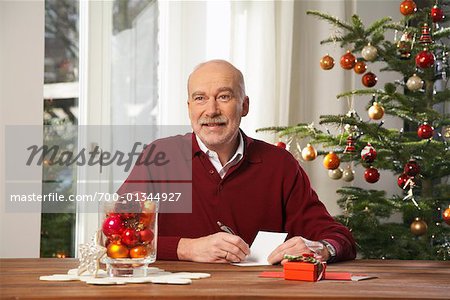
(309, 153)
(117, 250)
(418, 227)
(327, 62)
(376, 111)
(331, 161)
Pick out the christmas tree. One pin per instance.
(417, 153)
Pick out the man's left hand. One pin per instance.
(297, 246)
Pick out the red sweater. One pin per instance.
(267, 190)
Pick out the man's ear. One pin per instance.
(245, 106)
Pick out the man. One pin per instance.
(244, 183)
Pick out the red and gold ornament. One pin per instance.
(331, 161)
(327, 62)
(446, 215)
(309, 153)
(371, 175)
(425, 59)
(369, 79)
(425, 131)
(408, 7)
(376, 111)
(368, 153)
(129, 205)
(437, 15)
(348, 60)
(411, 168)
(360, 67)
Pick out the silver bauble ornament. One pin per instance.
(348, 174)
(335, 174)
(369, 52)
(414, 83)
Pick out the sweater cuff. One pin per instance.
(167, 247)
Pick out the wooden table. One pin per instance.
(19, 279)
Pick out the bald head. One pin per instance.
(211, 64)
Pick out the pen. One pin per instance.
(225, 228)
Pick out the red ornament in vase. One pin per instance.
(130, 237)
(113, 225)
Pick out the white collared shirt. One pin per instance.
(214, 158)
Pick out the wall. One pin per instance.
(21, 94)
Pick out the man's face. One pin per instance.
(215, 104)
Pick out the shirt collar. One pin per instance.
(239, 150)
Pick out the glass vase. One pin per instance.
(129, 233)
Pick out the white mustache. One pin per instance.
(217, 120)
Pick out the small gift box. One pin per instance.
(305, 268)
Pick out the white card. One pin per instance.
(264, 243)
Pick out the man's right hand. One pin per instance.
(220, 247)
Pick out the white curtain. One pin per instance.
(256, 36)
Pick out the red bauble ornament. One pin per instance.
(130, 237)
(371, 175)
(368, 153)
(117, 250)
(369, 79)
(425, 131)
(425, 59)
(401, 180)
(360, 67)
(281, 145)
(437, 15)
(408, 7)
(327, 62)
(411, 168)
(446, 215)
(331, 161)
(146, 236)
(348, 60)
(113, 225)
(139, 252)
